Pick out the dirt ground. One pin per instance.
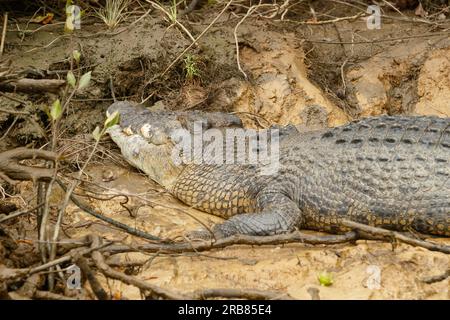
(294, 71)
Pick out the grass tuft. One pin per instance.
(113, 12)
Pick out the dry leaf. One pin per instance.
(48, 18)
(420, 11)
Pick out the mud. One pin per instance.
(292, 268)
(292, 77)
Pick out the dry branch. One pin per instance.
(181, 247)
(32, 85)
(5, 25)
(389, 234)
(96, 287)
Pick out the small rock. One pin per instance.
(108, 175)
(441, 17)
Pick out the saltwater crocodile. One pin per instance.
(387, 171)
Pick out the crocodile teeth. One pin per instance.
(145, 131)
(128, 131)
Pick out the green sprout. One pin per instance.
(190, 67)
(325, 279)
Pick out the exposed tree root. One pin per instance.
(11, 169)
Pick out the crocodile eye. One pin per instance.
(340, 141)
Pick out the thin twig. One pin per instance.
(250, 10)
(157, 6)
(318, 23)
(5, 25)
(9, 128)
(19, 213)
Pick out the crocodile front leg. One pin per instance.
(279, 215)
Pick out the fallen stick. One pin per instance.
(96, 287)
(295, 237)
(32, 85)
(384, 233)
(5, 25)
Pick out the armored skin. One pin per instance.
(388, 171)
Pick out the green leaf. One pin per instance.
(84, 81)
(112, 119)
(76, 56)
(97, 133)
(71, 79)
(325, 279)
(56, 110)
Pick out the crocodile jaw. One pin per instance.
(154, 160)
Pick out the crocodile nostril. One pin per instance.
(158, 137)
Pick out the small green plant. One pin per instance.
(190, 67)
(113, 12)
(111, 120)
(325, 279)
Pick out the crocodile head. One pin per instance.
(150, 140)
